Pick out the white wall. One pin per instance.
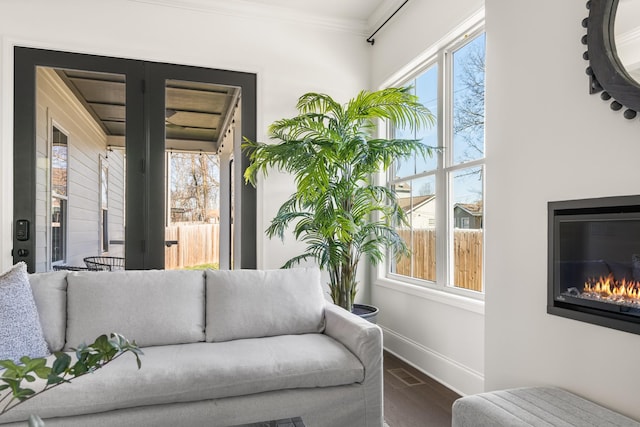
(289, 57)
(439, 333)
(548, 139)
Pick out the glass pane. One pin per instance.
(193, 229)
(425, 87)
(59, 160)
(195, 117)
(417, 199)
(468, 101)
(405, 167)
(427, 91)
(59, 173)
(58, 229)
(104, 204)
(468, 214)
(80, 138)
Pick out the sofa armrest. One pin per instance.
(364, 340)
(361, 337)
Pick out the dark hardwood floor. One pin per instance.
(412, 399)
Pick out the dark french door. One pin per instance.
(91, 136)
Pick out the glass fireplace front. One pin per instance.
(594, 261)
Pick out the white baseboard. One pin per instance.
(459, 378)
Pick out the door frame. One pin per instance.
(144, 164)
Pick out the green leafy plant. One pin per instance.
(332, 152)
(89, 358)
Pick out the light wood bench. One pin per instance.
(533, 406)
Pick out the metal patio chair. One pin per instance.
(104, 263)
(69, 268)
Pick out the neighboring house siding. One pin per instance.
(420, 210)
(86, 142)
(423, 216)
(467, 219)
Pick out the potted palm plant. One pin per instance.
(332, 152)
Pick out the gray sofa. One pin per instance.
(221, 348)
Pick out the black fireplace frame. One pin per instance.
(611, 207)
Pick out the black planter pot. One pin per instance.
(368, 312)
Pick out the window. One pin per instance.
(104, 204)
(59, 165)
(443, 196)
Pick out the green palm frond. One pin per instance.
(397, 105)
(318, 102)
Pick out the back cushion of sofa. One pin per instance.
(50, 294)
(261, 303)
(152, 307)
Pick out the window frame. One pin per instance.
(442, 57)
(103, 208)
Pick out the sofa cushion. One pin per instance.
(50, 294)
(20, 329)
(150, 307)
(261, 303)
(201, 371)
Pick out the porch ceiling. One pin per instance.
(194, 117)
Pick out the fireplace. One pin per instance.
(594, 261)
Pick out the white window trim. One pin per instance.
(453, 299)
(441, 290)
(471, 25)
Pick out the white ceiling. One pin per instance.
(361, 16)
(357, 10)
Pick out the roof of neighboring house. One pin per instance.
(418, 201)
(474, 209)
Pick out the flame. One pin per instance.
(609, 288)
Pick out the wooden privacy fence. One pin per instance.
(197, 244)
(467, 250)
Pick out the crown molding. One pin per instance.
(382, 13)
(243, 8)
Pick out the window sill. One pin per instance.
(474, 305)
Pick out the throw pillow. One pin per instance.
(263, 303)
(50, 294)
(20, 329)
(151, 307)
